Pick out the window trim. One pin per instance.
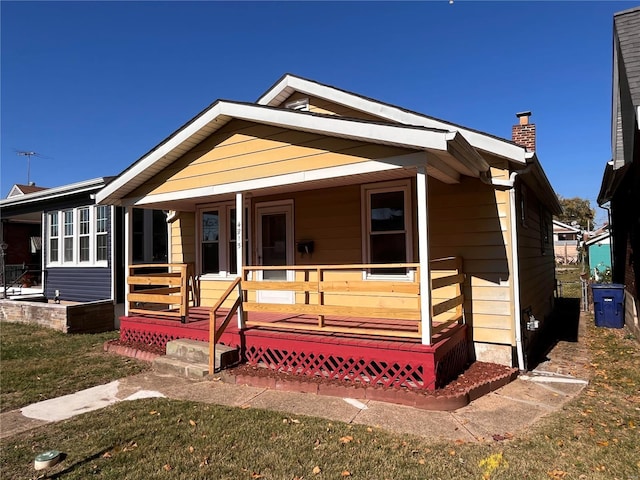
(365, 219)
(61, 217)
(224, 239)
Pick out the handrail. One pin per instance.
(214, 334)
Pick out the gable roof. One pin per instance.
(19, 189)
(289, 84)
(42, 196)
(563, 226)
(462, 157)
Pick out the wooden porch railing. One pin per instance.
(162, 289)
(345, 291)
(215, 334)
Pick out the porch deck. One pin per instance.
(353, 357)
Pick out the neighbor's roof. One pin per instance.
(19, 189)
(44, 195)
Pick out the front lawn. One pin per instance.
(39, 363)
(594, 437)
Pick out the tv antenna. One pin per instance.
(29, 154)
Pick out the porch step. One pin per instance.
(190, 358)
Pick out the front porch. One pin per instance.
(340, 325)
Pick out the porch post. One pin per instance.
(423, 251)
(128, 217)
(240, 248)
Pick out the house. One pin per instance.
(75, 246)
(620, 189)
(566, 240)
(598, 250)
(360, 220)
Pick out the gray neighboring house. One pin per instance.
(620, 189)
(81, 245)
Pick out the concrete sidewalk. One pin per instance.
(508, 410)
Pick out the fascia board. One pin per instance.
(564, 225)
(398, 135)
(53, 193)
(388, 112)
(141, 170)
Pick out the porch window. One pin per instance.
(83, 234)
(68, 236)
(54, 237)
(387, 226)
(78, 236)
(217, 235)
(101, 233)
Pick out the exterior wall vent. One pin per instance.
(301, 105)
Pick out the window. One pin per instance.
(68, 236)
(149, 234)
(84, 230)
(78, 236)
(54, 237)
(217, 233)
(387, 226)
(101, 233)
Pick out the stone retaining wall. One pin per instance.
(91, 317)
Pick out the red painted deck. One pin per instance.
(365, 359)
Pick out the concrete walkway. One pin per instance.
(508, 410)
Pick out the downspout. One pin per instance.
(510, 184)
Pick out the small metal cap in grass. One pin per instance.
(46, 459)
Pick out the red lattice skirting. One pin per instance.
(158, 332)
(370, 362)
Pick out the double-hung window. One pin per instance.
(69, 240)
(102, 215)
(387, 226)
(54, 238)
(84, 235)
(217, 234)
(78, 236)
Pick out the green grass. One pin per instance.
(569, 281)
(595, 436)
(39, 363)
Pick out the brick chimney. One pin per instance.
(524, 134)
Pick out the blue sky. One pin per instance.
(92, 86)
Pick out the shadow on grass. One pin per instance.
(562, 326)
(70, 468)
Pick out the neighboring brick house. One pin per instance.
(620, 190)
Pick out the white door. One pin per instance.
(275, 247)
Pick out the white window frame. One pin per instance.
(75, 236)
(383, 187)
(224, 238)
(51, 236)
(81, 234)
(101, 233)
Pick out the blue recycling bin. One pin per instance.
(608, 304)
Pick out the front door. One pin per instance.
(275, 247)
